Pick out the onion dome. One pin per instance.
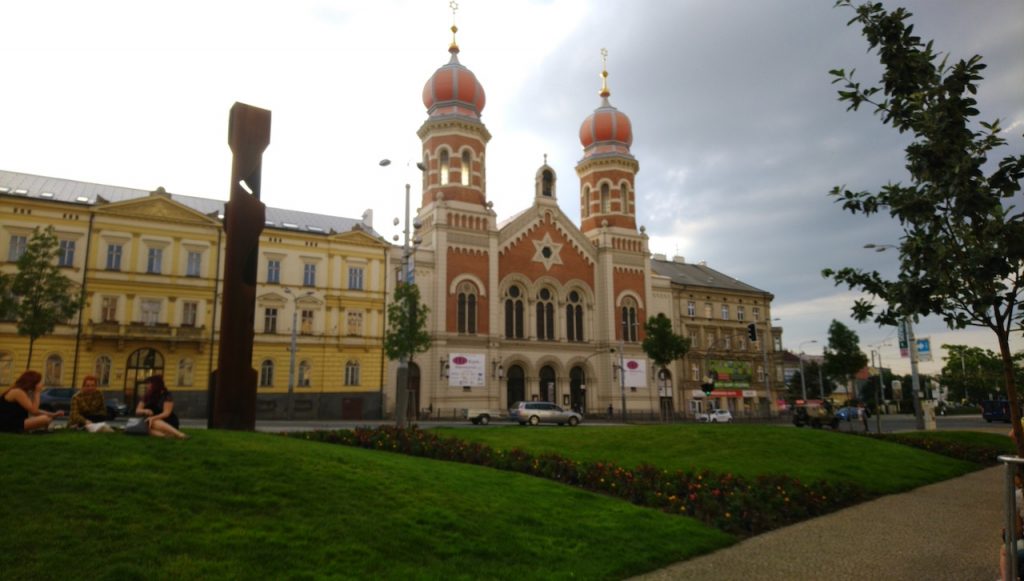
(606, 126)
(453, 89)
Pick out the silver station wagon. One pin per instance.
(535, 412)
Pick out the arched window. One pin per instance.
(6, 369)
(574, 317)
(101, 370)
(466, 295)
(606, 202)
(627, 200)
(629, 322)
(547, 183)
(545, 315)
(267, 373)
(514, 313)
(54, 370)
(465, 169)
(352, 373)
(185, 373)
(305, 374)
(444, 166)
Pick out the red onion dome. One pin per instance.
(606, 123)
(454, 89)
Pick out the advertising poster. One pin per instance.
(636, 372)
(734, 374)
(466, 369)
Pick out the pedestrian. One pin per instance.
(611, 412)
(863, 414)
(19, 405)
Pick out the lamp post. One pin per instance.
(915, 380)
(881, 386)
(803, 379)
(402, 389)
(292, 349)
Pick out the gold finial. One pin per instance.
(454, 47)
(604, 74)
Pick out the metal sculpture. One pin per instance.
(234, 385)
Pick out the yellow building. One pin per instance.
(149, 265)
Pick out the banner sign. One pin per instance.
(904, 346)
(735, 374)
(466, 369)
(635, 372)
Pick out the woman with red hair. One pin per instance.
(21, 401)
(157, 406)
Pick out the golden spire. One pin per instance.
(454, 47)
(604, 74)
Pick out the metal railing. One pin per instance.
(1012, 464)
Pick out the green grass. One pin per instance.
(227, 505)
(745, 450)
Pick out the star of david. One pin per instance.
(547, 252)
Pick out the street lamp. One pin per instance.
(291, 362)
(881, 385)
(908, 326)
(402, 393)
(803, 380)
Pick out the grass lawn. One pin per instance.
(744, 450)
(256, 506)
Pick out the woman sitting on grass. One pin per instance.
(157, 406)
(21, 401)
(87, 406)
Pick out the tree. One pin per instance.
(662, 344)
(45, 297)
(961, 251)
(405, 337)
(975, 374)
(843, 357)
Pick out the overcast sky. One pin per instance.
(736, 126)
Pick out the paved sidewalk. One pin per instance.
(948, 530)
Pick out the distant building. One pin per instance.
(149, 265)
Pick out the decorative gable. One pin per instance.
(158, 207)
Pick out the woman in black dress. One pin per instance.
(19, 406)
(157, 406)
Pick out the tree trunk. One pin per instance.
(31, 344)
(1011, 390)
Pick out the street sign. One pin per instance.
(924, 349)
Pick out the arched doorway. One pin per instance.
(414, 391)
(142, 363)
(547, 384)
(665, 392)
(515, 385)
(578, 389)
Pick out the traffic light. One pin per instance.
(752, 331)
(707, 387)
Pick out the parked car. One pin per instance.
(480, 416)
(816, 416)
(848, 414)
(993, 410)
(535, 412)
(715, 417)
(54, 399)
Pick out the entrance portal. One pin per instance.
(515, 385)
(547, 384)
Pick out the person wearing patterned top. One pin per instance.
(87, 406)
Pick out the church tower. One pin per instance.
(608, 169)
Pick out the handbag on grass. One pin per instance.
(137, 427)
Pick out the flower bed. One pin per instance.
(733, 504)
